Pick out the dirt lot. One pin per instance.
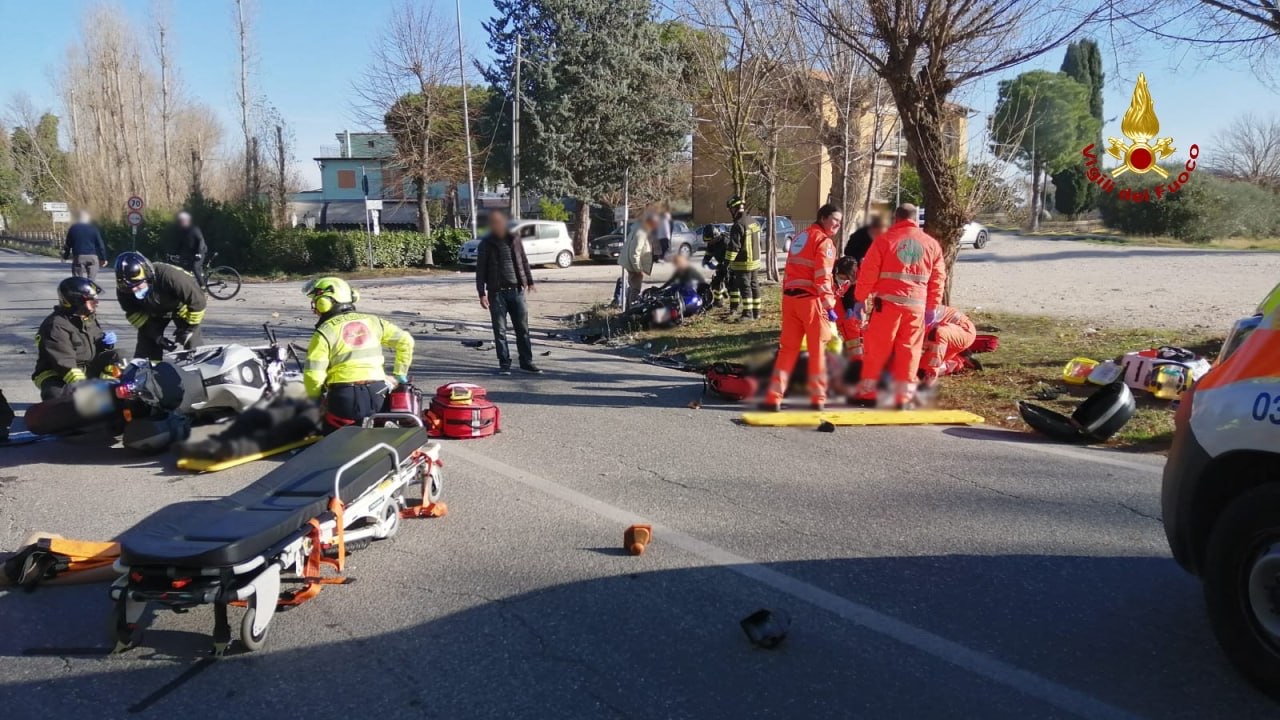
(1122, 286)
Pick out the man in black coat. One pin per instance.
(503, 278)
(188, 245)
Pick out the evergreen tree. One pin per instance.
(10, 187)
(40, 163)
(600, 95)
(1075, 194)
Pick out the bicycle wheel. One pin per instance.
(222, 282)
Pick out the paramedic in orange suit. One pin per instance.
(945, 340)
(902, 276)
(808, 308)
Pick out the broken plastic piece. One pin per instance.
(636, 538)
(766, 628)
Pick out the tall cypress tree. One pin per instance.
(1074, 193)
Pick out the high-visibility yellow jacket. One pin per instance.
(743, 249)
(347, 348)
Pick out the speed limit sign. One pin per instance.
(135, 203)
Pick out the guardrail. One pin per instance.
(43, 238)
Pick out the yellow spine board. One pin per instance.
(809, 418)
(203, 465)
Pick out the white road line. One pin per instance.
(1017, 441)
(978, 663)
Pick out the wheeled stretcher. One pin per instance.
(340, 494)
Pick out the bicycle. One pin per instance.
(220, 281)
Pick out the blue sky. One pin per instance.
(310, 51)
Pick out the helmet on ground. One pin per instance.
(736, 203)
(329, 293)
(76, 292)
(134, 273)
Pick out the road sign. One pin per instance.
(61, 216)
(134, 218)
(135, 204)
(54, 206)
(372, 205)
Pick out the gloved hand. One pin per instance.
(166, 343)
(930, 316)
(832, 316)
(860, 311)
(182, 337)
(402, 379)
(109, 339)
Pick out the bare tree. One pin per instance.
(1249, 150)
(924, 52)
(407, 89)
(243, 22)
(1226, 30)
(160, 45)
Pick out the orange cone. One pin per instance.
(636, 538)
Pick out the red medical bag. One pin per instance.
(731, 381)
(462, 410)
(985, 344)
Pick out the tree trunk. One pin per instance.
(946, 217)
(424, 219)
(1035, 195)
(582, 228)
(771, 214)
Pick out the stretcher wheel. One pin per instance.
(436, 486)
(390, 520)
(252, 642)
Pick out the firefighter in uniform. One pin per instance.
(713, 259)
(903, 275)
(154, 295)
(946, 342)
(70, 345)
(808, 308)
(743, 255)
(344, 363)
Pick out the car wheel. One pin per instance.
(1242, 585)
(981, 240)
(564, 259)
(685, 250)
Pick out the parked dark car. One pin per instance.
(784, 230)
(683, 241)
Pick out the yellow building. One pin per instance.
(811, 170)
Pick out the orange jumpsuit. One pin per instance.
(850, 329)
(952, 333)
(807, 297)
(905, 274)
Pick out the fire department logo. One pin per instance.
(1140, 125)
(910, 251)
(355, 334)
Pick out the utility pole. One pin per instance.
(466, 119)
(515, 138)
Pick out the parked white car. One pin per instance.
(545, 243)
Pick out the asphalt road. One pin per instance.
(928, 573)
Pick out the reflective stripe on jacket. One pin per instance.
(174, 294)
(904, 266)
(347, 348)
(809, 266)
(743, 249)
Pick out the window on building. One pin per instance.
(346, 179)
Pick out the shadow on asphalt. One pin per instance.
(1133, 252)
(1127, 630)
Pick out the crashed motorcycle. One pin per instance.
(153, 406)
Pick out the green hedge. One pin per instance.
(1207, 207)
(242, 237)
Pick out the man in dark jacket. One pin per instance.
(188, 245)
(70, 345)
(714, 258)
(860, 240)
(84, 248)
(503, 277)
(152, 296)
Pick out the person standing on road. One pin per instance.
(154, 295)
(636, 257)
(84, 248)
(70, 344)
(743, 255)
(662, 237)
(344, 363)
(808, 308)
(186, 242)
(503, 280)
(904, 275)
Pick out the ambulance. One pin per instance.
(1221, 494)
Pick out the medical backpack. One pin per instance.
(731, 381)
(462, 410)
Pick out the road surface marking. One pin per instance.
(978, 663)
(1018, 440)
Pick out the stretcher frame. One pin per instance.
(256, 584)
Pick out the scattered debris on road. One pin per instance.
(766, 628)
(637, 538)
